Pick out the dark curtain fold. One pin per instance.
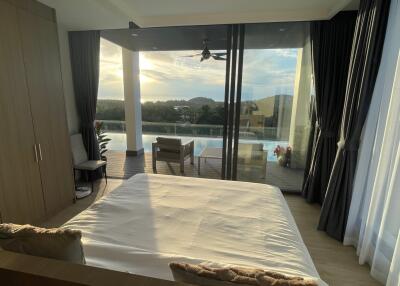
(311, 140)
(85, 60)
(331, 43)
(364, 64)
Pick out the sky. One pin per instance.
(171, 75)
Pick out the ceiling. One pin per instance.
(115, 14)
(257, 36)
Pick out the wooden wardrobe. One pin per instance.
(36, 178)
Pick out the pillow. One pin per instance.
(233, 276)
(56, 243)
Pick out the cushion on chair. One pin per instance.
(251, 154)
(169, 144)
(79, 154)
(168, 156)
(56, 243)
(249, 147)
(91, 165)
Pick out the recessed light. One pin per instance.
(154, 48)
(134, 35)
(282, 30)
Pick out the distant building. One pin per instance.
(271, 113)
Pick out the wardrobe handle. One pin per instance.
(40, 153)
(36, 155)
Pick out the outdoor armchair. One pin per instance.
(172, 150)
(253, 155)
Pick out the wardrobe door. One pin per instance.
(21, 199)
(43, 71)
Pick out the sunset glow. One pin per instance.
(171, 75)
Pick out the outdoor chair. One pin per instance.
(172, 150)
(253, 155)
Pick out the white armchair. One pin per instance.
(253, 155)
(81, 160)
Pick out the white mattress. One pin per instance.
(151, 220)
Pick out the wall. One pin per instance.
(70, 105)
(300, 124)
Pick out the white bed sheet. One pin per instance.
(151, 220)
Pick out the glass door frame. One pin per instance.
(232, 103)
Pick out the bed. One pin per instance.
(152, 220)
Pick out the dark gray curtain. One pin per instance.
(365, 59)
(85, 60)
(311, 140)
(331, 43)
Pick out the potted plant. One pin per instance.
(284, 155)
(102, 140)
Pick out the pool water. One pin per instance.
(118, 142)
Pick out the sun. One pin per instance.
(145, 63)
(119, 73)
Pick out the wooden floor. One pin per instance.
(336, 264)
(121, 166)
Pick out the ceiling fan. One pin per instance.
(206, 54)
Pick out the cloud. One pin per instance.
(172, 75)
(109, 50)
(110, 78)
(287, 53)
(175, 68)
(155, 75)
(160, 57)
(268, 72)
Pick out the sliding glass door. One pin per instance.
(268, 104)
(241, 92)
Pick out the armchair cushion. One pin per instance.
(90, 165)
(171, 145)
(252, 154)
(249, 147)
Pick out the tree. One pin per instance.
(213, 116)
(170, 111)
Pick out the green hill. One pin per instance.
(200, 109)
(203, 101)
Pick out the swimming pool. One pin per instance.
(118, 142)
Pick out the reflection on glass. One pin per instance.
(276, 94)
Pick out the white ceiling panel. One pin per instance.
(114, 14)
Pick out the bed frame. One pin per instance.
(19, 269)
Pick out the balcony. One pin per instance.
(122, 166)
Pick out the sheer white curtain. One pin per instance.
(374, 218)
